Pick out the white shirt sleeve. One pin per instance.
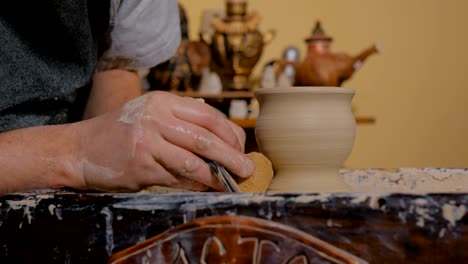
(143, 33)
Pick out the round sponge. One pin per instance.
(261, 178)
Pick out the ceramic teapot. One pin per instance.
(321, 67)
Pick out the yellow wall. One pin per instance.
(417, 88)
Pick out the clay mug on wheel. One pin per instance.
(307, 133)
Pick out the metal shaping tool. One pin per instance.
(223, 176)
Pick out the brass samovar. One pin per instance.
(236, 44)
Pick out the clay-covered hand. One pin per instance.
(158, 139)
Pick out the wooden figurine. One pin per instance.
(184, 70)
(321, 67)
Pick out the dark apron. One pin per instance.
(48, 54)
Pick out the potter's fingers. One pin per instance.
(188, 184)
(184, 164)
(151, 173)
(204, 143)
(156, 174)
(240, 133)
(205, 116)
(180, 182)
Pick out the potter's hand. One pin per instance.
(157, 139)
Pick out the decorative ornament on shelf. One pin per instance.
(284, 81)
(238, 109)
(210, 83)
(320, 66)
(236, 44)
(184, 70)
(268, 79)
(290, 54)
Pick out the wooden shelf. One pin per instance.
(362, 120)
(227, 94)
(244, 123)
(250, 123)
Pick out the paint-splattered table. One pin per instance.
(53, 226)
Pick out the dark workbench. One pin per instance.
(65, 227)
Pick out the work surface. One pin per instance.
(57, 226)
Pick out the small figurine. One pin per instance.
(210, 82)
(321, 67)
(268, 79)
(184, 70)
(238, 109)
(290, 54)
(284, 81)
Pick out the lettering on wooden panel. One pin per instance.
(234, 239)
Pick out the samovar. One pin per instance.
(236, 44)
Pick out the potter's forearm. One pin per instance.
(39, 157)
(111, 89)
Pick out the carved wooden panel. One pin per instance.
(58, 226)
(233, 239)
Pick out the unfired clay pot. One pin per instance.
(307, 133)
